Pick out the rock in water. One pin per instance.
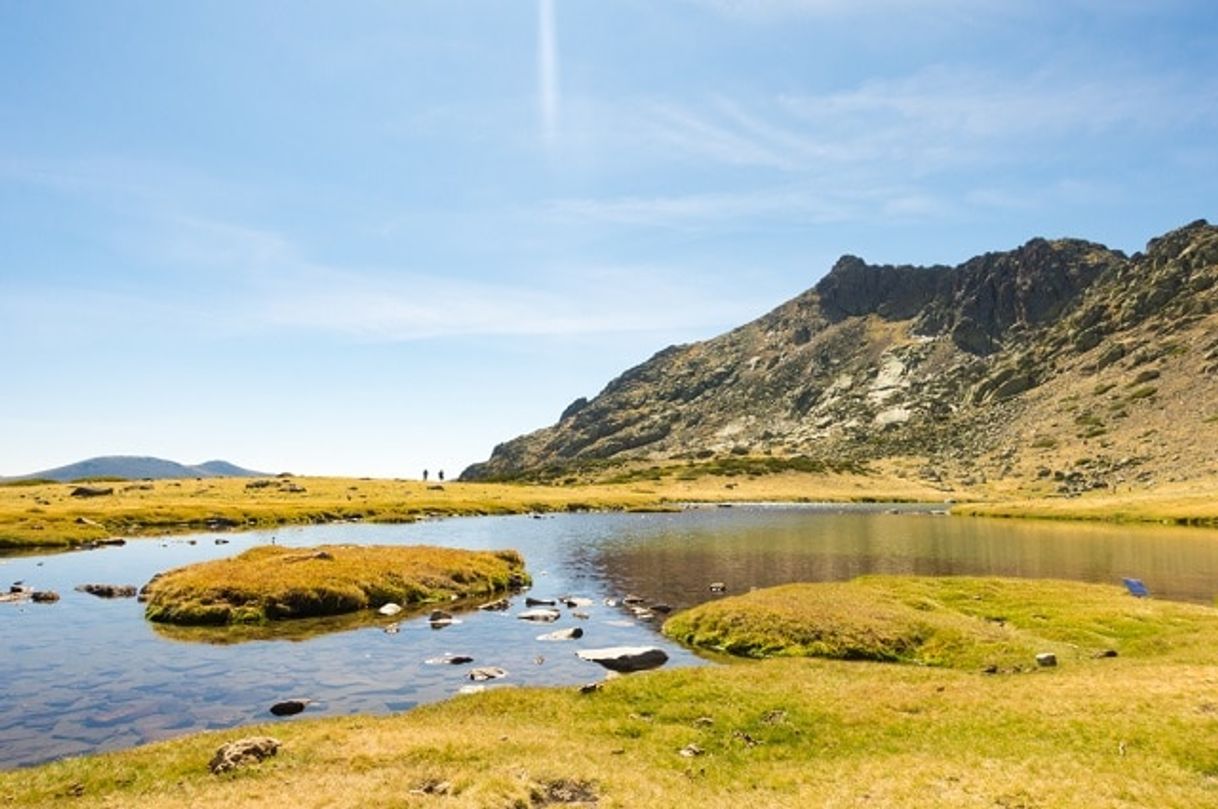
(289, 707)
(545, 615)
(390, 609)
(241, 752)
(108, 590)
(486, 673)
(44, 596)
(539, 602)
(563, 634)
(496, 606)
(626, 658)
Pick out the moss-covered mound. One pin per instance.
(273, 582)
(951, 622)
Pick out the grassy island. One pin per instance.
(273, 582)
(952, 622)
(1132, 730)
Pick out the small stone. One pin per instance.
(590, 688)
(1046, 660)
(290, 707)
(661, 608)
(544, 615)
(583, 616)
(496, 606)
(691, 751)
(487, 673)
(704, 721)
(1105, 653)
(108, 590)
(563, 634)
(717, 587)
(390, 609)
(242, 752)
(540, 602)
(573, 602)
(632, 600)
(44, 596)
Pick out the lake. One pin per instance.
(85, 674)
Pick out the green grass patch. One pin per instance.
(965, 623)
(1143, 392)
(273, 582)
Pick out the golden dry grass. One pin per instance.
(779, 733)
(1191, 503)
(272, 582)
(47, 515)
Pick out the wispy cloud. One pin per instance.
(936, 118)
(547, 68)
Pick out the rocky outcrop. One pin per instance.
(962, 371)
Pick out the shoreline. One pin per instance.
(45, 517)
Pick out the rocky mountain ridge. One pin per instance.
(1060, 364)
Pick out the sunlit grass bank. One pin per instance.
(952, 622)
(48, 515)
(276, 583)
(1192, 503)
(777, 733)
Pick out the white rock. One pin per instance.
(390, 609)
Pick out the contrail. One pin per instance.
(547, 68)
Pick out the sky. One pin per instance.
(374, 237)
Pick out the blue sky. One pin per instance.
(367, 238)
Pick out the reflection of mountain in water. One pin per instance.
(771, 546)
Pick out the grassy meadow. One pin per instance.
(1130, 731)
(47, 515)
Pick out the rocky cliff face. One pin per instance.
(1060, 361)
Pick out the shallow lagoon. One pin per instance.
(85, 674)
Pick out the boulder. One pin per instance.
(239, 753)
(92, 491)
(540, 602)
(486, 673)
(290, 707)
(573, 602)
(108, 590)
(546, 615)
(626, 658)
(1046, 660)
(563, 634)
(390, 609)
(44, 596)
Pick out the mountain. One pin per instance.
(133, 467)
(1060, 364)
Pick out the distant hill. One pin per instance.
(1058, 366)
(134, 467)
